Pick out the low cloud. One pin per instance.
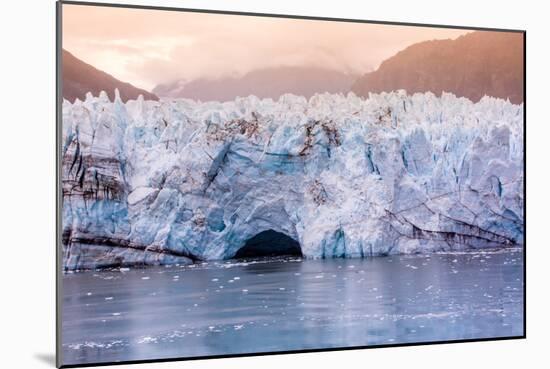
(148, 47)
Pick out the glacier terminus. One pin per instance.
(179, 181)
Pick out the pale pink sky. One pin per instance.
(148, 47)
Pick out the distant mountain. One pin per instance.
(476, 64)
(80, 78)
(264, 83)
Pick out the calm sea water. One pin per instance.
(289, 304)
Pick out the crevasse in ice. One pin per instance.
(148, 182)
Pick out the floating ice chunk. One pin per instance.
(148, 339)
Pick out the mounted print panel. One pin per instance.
(238, 184)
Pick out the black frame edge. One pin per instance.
(59, 102)
(58, 195)
(288, 16)
(524, 184)
(292, 352)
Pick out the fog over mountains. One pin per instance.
(263, 83)
(80, 78)
(473, 65)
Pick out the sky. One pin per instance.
(149, 47)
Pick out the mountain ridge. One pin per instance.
(80, 78)
(473, 65)
(269, 82)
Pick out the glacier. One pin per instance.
(180, 181)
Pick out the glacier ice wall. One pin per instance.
(148, 182)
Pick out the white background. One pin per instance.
(27, 180)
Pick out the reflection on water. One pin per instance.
(289, 304)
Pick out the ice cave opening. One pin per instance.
(269, 243)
